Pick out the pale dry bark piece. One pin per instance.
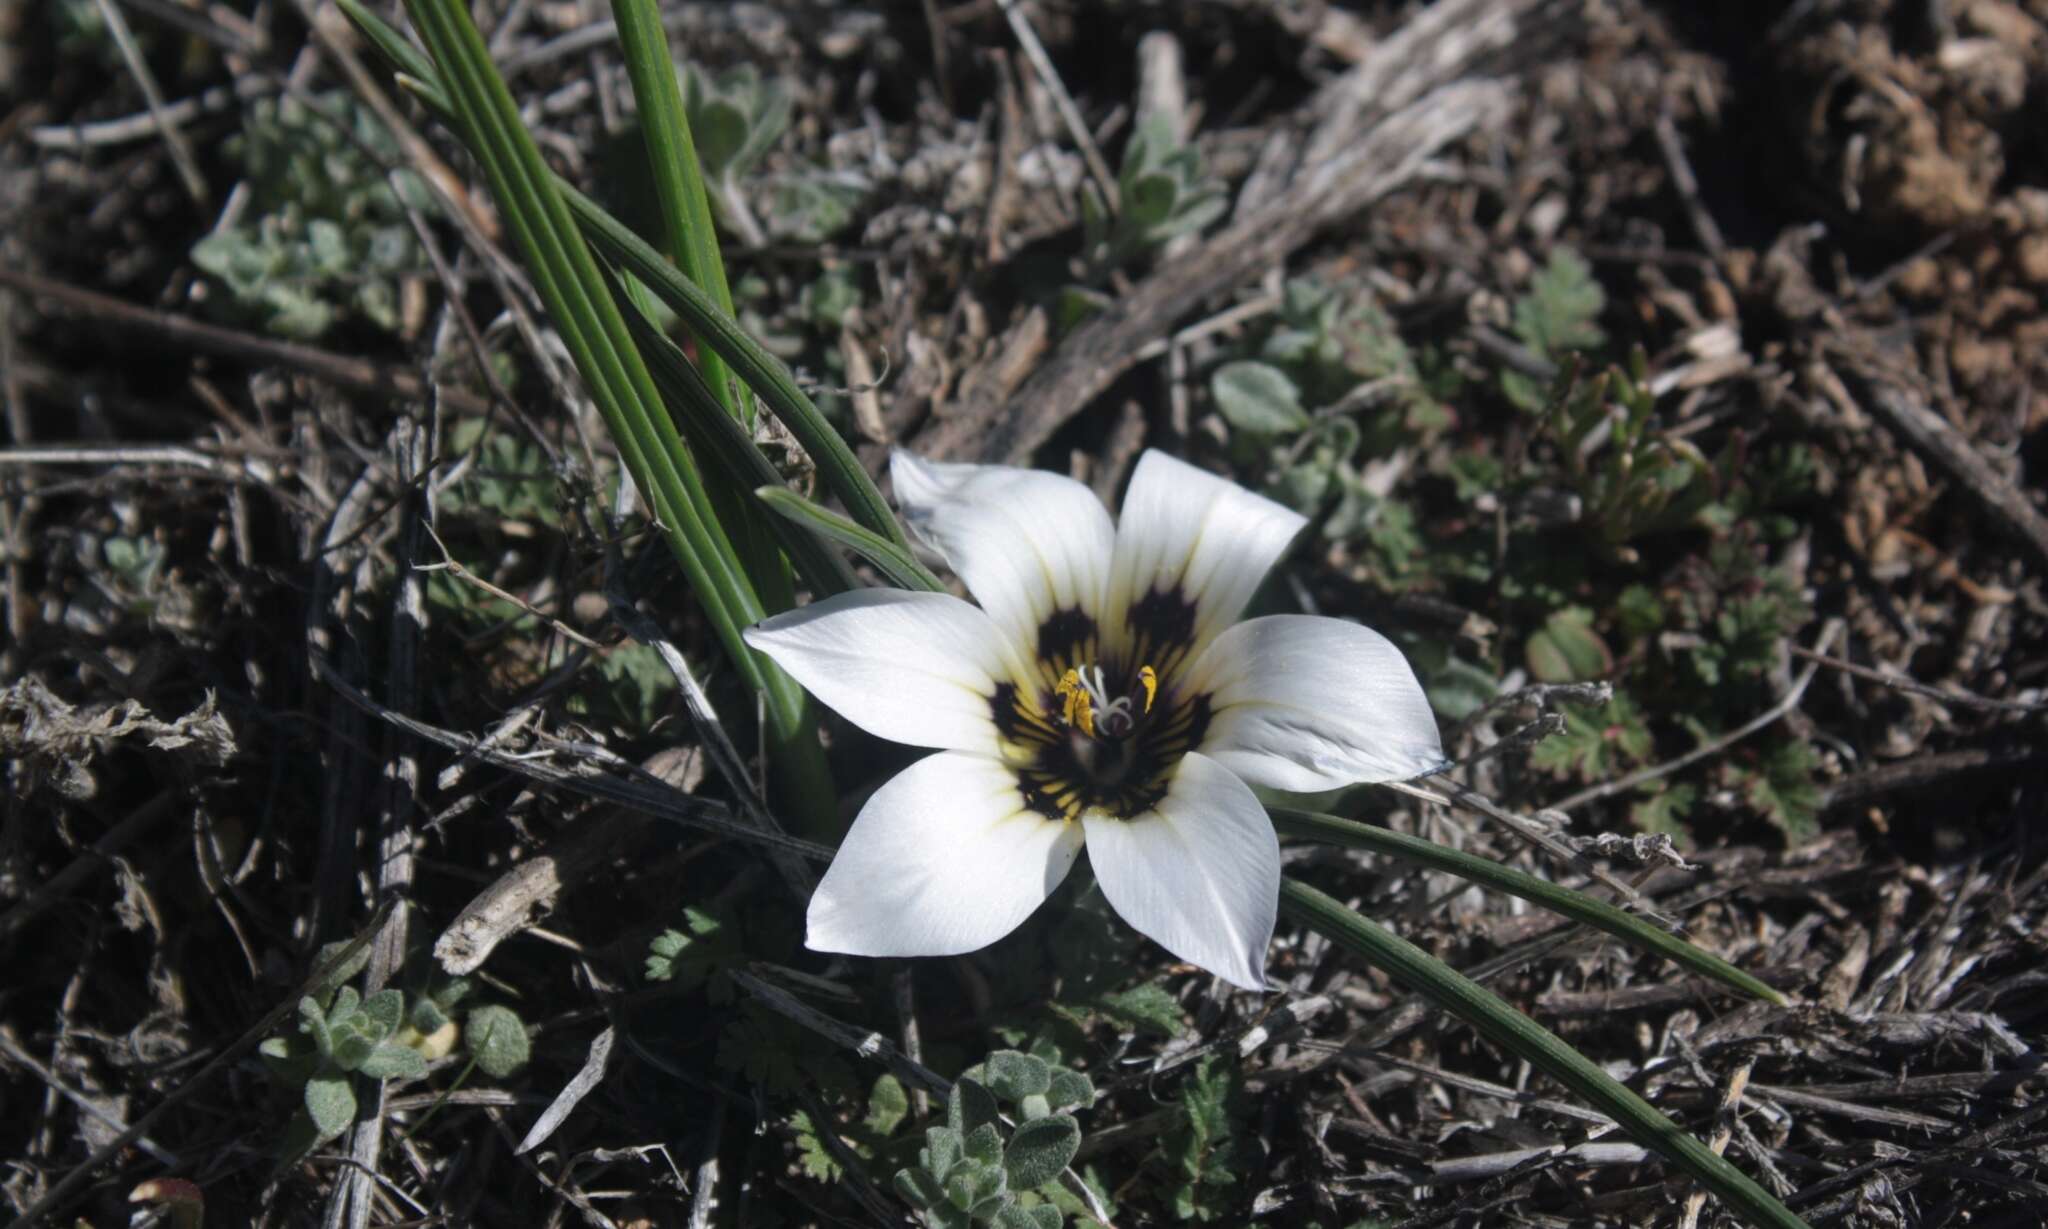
(522, 896)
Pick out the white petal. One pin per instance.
(943, 859)
(1191, 534)
(917, 668)
(1199, 873)
(1304, 703)
(1027, 543)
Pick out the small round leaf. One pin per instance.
(394, 1062)
(331, 1104)
(1040, 1150)
(1258, 399)
(497, 1038)
(1013, 1075)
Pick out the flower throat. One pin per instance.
(1087, 704)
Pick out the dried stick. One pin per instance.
(725, 757)
(1070, 115)
(519, 897)
(1375, 129)
(186, 332)
(1724, 1130)
(174, 136)
(111, 842)
(11, 1049)
(450, 566)
(219, 99)
(1930, 435)
(647, 797)
(1535, 835)
(1900, 682)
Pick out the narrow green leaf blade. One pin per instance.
(720, 436)
(565, 274)
(1575, 905)
(678, 180)
(1523, 1037)
(764, 373)
(896, 562)
(837, 466)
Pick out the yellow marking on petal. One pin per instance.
(1150, 678)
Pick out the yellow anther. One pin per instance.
(1078, 709)
(1150, 678)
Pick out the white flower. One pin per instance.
(1102, 691)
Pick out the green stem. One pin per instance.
(841, 471)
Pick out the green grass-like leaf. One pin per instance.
(896, 562)
(1523, 1037)
(718, 435)
(678, 180)
(567, 278)
(1562, 900)
(840, 470)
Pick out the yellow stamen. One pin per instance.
(1078, 709)
(1150, 678)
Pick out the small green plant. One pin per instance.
(1778, 782)
(1165, 194)
(1556, 318)
(332, 239)
(1597, 744)
(1566, 649)
(1329, 389)
(1202, 1152)
(342, 1035)
(968, 1173)
(695, 955)
(888, 1106)
(736, 117)
(510, 477)
(137, 565)
(1633, 478)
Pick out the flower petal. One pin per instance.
(1033, 547)
(1190, 549)
(944, 858)
(1199, 873)
(1303, 703)
(917, 668)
